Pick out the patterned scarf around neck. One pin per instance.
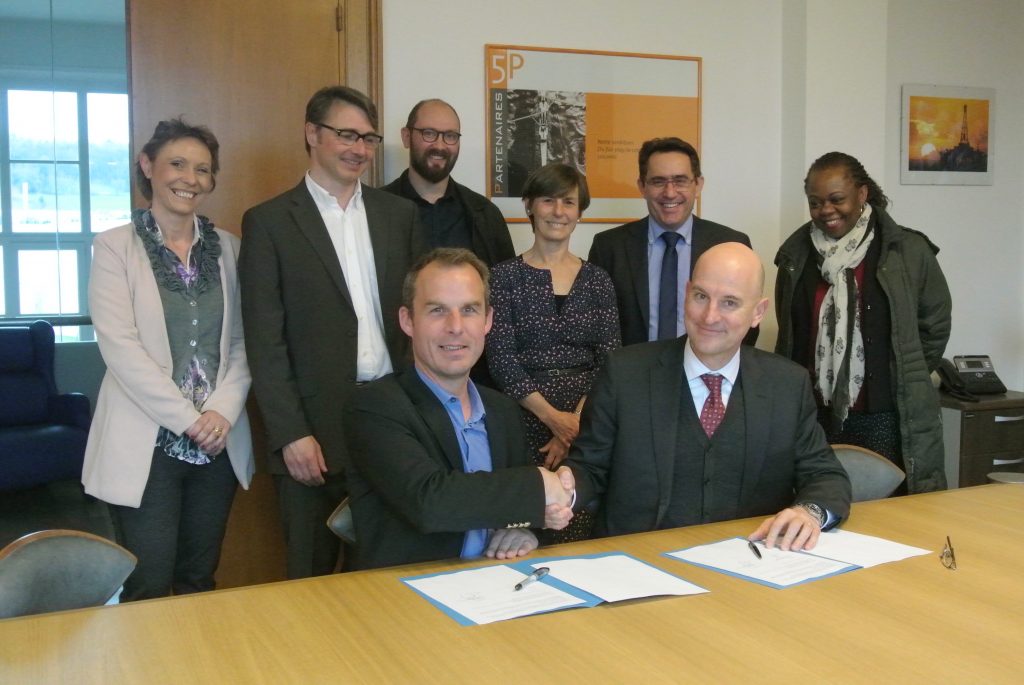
(839, 348)
(193, 279)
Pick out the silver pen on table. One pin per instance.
(536, 575)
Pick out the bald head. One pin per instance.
(430, 104)
(736, 258)
(724, 299)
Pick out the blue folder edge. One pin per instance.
(587, 600)
(525, 566)
(849, 567)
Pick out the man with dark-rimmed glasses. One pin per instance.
(650, 259)
(452, 215)
(321, 270)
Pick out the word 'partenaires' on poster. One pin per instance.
(591, 110)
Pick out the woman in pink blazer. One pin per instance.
(170, 438)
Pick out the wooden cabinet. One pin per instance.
(982, 437)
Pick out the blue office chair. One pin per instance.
(42, 434)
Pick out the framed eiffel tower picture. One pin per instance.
(947, 135)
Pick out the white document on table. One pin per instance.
(775, 568)
(486, 595)
(616, 577)
(863, 550)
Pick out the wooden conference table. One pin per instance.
(912, 621)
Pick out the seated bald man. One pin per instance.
(703, 428)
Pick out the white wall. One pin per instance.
(832, 100)
(979, 229)
(845, 96)
(435, 49)
(783, 82)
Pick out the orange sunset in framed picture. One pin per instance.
(947, 135)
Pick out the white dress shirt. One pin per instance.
(350, 234)
(694, 369)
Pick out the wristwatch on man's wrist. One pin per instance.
(815, 511)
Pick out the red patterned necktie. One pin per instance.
(713, 411)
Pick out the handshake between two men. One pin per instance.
(559, 498)
(430, 479)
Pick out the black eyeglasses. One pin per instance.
(351, 137)
(430, 135)
(947, 556)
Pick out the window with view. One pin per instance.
(64, 154)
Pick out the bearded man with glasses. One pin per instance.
(452, 215)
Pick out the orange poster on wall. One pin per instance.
(591, 110)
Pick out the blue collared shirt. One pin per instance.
(655, 256)
(476, 451)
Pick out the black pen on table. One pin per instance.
(754, 549)
(536, 575)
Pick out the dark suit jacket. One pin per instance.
(411, 499)
(300, 328)
(622, 252)
(491, 240)
(625, 452)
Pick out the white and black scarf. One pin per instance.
(839, 348)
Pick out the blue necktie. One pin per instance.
(668, 296)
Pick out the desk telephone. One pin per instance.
(969, 375)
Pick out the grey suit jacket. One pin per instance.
(300, 327)
(625, 452)
(411, 499)
(622, 252)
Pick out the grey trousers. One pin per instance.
(177, 531)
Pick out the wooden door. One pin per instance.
(246, 70)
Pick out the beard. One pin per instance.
(420, 164)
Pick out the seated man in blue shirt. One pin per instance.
(440, 468)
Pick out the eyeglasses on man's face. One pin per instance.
(348, 136)
(677, 182)
(430, 135)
